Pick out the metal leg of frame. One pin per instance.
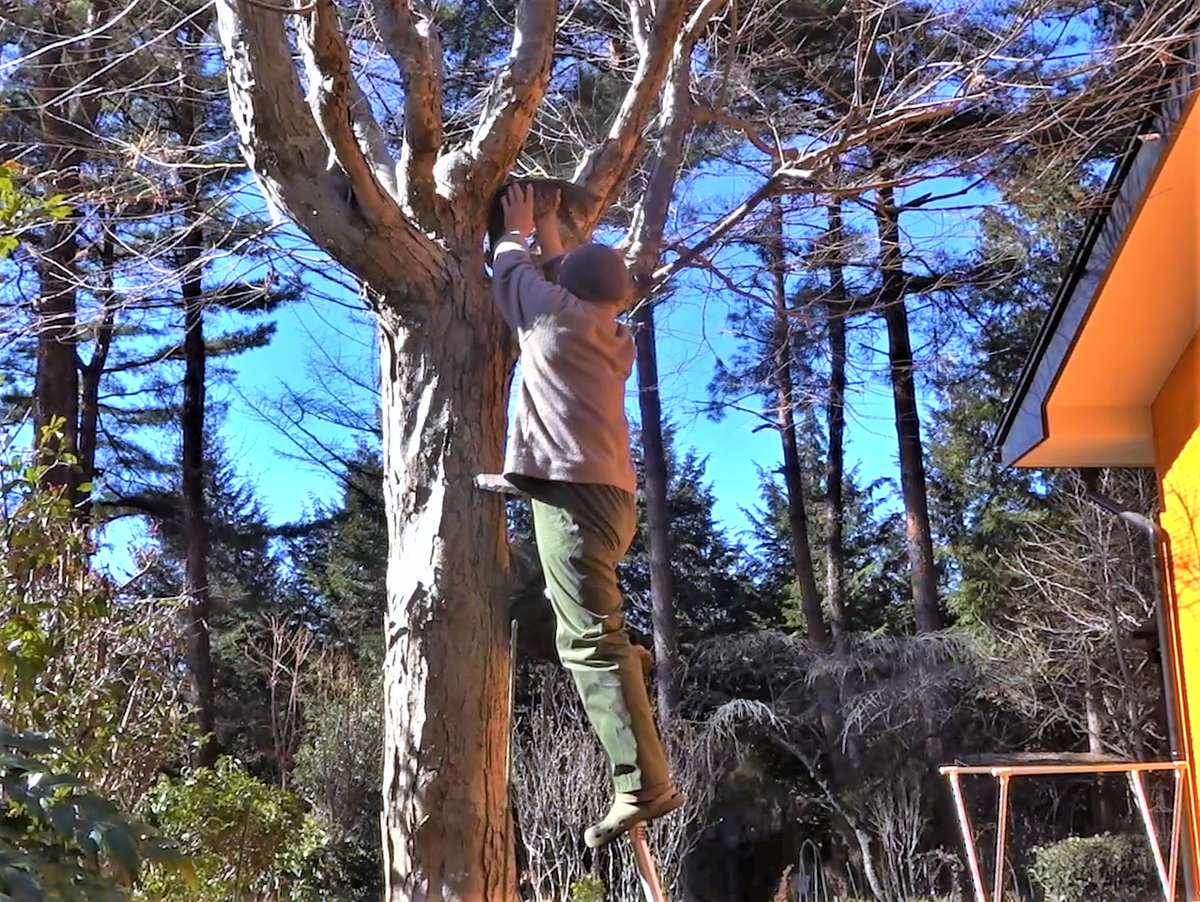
(964, 824)
(1138, 785)
(647, 869)
(1001, 839)
(1176, 835)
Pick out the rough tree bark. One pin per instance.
(835, 551)
(412, 233)
(785, 399)
(926, 609)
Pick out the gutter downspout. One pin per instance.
(1091, 482)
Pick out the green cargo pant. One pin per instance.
(582, 532)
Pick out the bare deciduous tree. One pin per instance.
(412, 232)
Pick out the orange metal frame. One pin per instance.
(1168, 870)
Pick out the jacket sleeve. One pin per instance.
(522, 292)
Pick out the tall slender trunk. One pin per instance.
(835, 550)
(196, 524)
(195, 507)
(65, 125)
(658, 537)
(56, 383)
(926, 609)
(90, 375)
(940, 740)
(793, 474)
(446, 666)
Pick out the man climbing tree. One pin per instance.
(411, 232)
(570, 453)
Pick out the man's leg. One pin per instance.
(583, 531)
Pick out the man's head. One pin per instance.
(593, 272)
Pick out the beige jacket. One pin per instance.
(569, 423)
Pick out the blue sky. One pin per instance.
(692, 332)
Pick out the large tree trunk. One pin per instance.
(835, 551)
(658, 538)
(445, 379)
(926, 610)
(793, 474)
(195, 507)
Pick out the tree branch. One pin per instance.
(327, 59)
(342, 207)
(514, 98)
(604, 170)
(650, 218)
(747, 128)
(412, 42)
(803, 169)
(279, 137)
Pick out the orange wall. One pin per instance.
(1176, 414)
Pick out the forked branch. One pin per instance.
(605, 169)
(514, 98)
(315, 169)
(351, 132)
(412, 42)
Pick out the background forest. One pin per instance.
(211, 679)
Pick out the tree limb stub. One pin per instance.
(412, 42)
(604, 170)
(340, 207)
(514, 98)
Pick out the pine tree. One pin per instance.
(338, 560)
(712, 590)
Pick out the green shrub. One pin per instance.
(81, 658)
(1110, 867)
(588, 888)
(61, 843)
(246, 839)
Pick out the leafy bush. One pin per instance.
(588, 888)
(339, 769)
(81, 658)
(1112, 867)
(60, 843)
(246, 839)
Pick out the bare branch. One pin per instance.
(803, 169)
(331, 84)
(752, 131)
(604, 170)
(412, 42)
(508, 114)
